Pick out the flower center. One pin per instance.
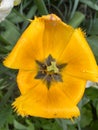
(53, 67)
(49, 71)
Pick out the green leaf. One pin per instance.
(5, 116)
(90, 3)
(94, 27)
(83, 102)
(71, 127)
(55, 126)
(92, 93)
(6, 97)
(76, 20)
(76, 2)
(3, 49)
(97, 109)
(10, 33)
(30, 125)
(41, 7)
(52, 126)
(94, 125)
(19, 126)
(93, 42)
(86, 117)
(16, 17)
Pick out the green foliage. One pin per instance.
(78, 13)
(93, 42)
(86, 116)
(79, 16)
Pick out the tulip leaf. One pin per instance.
(94, 125)
(16, 17)
(76, 2)
(86, 116)
(83, 102)
(41, 7)
(92, 93)
(93, 42)
(30, 125)
(19, 126)
(10, 32)
(76, 20)
(94, 27)
(5, 116)
(90, 3)
(71, 127)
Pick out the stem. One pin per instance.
(41, 7)
(62, 123)
(79, 128)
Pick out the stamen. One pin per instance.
(49, 71)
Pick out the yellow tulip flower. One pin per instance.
(54, 62)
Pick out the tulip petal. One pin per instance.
(79, 58)
(45, 103)
(26, 80)
(28, 48)
(56, 36)
(72, 87)
(59, 101)
(44, 36)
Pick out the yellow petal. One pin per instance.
(28, 48)
(49, 35)
(26, 80)
(57, 102)
(45, 103)
(45, 35)
(79, 58)
(56, 36)
(72, 87)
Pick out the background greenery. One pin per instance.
(78, 13)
